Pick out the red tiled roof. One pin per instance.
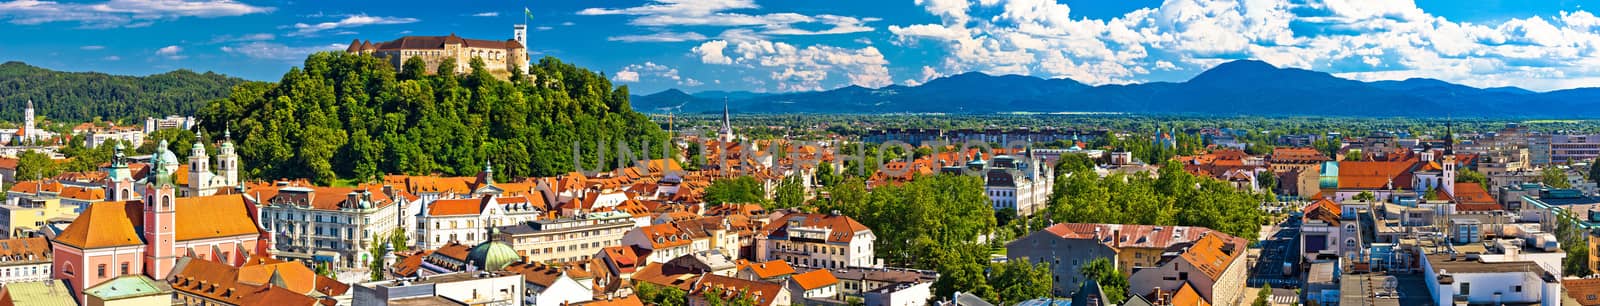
(1375, 175)
(815, 279)
(1472, 193)
(840, 228)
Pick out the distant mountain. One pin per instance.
(1243, 87)
(82, 96)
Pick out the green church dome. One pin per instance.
(492, 256)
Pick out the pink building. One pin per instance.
(146, 236)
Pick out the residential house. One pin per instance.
(1214, 266)
(831, 241)
(24, 260)
(817, 287)
(260, 281)
(551, 284)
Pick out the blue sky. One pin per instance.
(802, 45)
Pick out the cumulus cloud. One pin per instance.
(276, 51)
(171, 52)
(352, 21)
(121, 13)
(1362, 39)
(669, 13)
(794, 68)
(633, 74)
(659, 37)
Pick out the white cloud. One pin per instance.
(276, 51)
(171, 52)
(303, 29)
(626, 76)
(121, 13)
(92, 48)
(487, 14)
(633, 74)
(711, 52)
(659, 37)
(1363, 39)
(800, 69)
(243, 37)
(112, 58)
(669, 13)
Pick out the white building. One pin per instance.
(1458, 278)
(567, 239)
(470, 288)
(468, 220)
(307, 222)
(24, 260)
(134, 137)
(1021, 184)
(152, 124)
(830, 241)
(551, 285)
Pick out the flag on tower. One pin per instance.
(528, 12)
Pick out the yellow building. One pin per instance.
(27, 214)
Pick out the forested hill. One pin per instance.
(352, 117)
(82, 96)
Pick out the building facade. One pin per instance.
(830, 241)
(567, 239)
(338, 224)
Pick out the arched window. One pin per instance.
(166, 202)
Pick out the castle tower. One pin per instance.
(159, 216)
(227, 160)
(199, 167)
(519, 32)
(119, 180)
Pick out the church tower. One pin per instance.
(27, 119)
(119, 180)
(199, 168)
(1448, 162)
(725, 135)
(159, 224)
(227, 160)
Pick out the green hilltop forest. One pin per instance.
(352, 117)
(84, 96)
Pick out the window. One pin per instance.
(1466, 288)
(124, 269)
(102, 271)
(1518, 288)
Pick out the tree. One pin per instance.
(744, 189)
(350, 116)
(375, 264)
(1263, 296)
(34, 165)
(652, 294)
(789, 194)
(400, 240)
(1017, 280)
(1365, 196)
(1470, 176)
(323, 269)
(1112, 282)
(1554, 177)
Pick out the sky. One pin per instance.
(809, 45)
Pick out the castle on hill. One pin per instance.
(499, 56)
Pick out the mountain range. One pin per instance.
(1242, 87)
